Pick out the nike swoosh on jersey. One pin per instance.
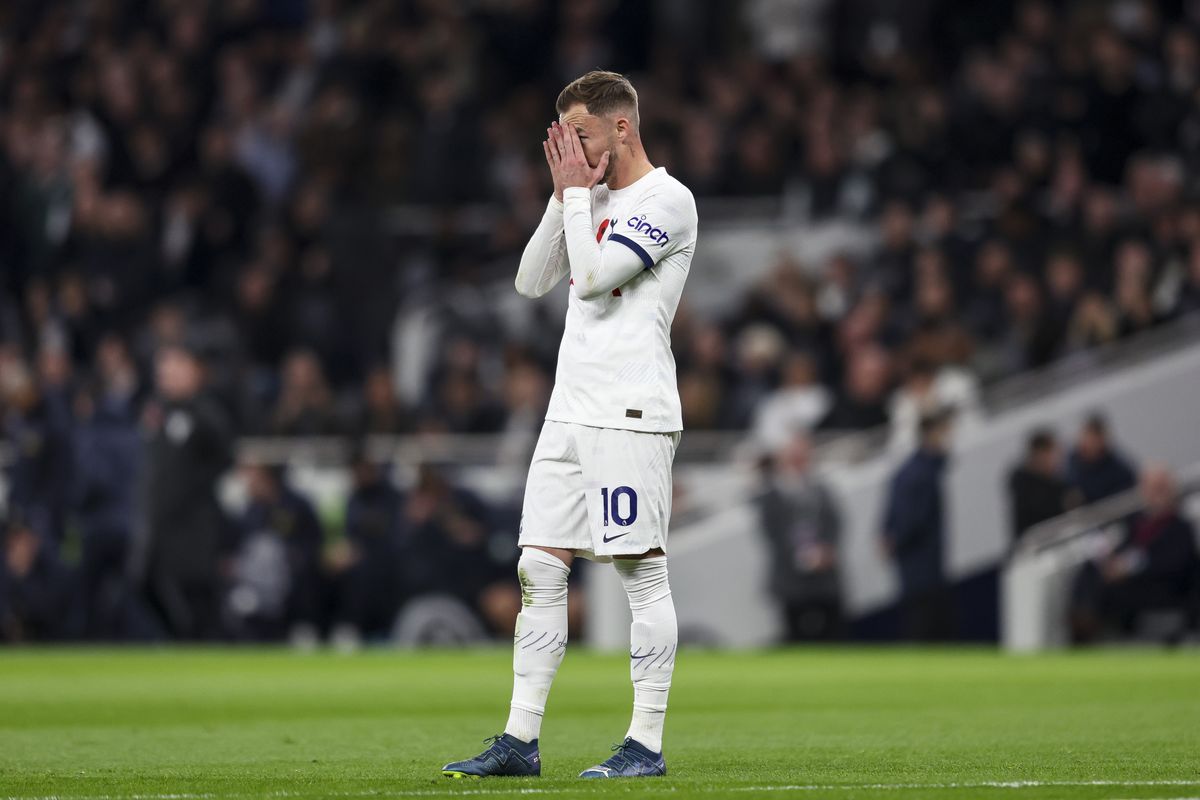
(608, 539)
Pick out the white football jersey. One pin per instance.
(615, 366)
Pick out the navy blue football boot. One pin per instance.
(630, 759)
(507, 756)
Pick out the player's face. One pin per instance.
(596, 134)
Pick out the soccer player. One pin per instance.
(600, 482)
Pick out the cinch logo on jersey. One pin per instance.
(640, 225)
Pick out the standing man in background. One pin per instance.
(108, 452)
(913, 532)
(188, 450)
(801, 521)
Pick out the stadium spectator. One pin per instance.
(368, 576)
(927, 388)
(448, 549)
(108, 454)
(38, 423)
(862, 402)
(705, 373)
(1154, 567)
(460, 402)
(36, 589)
(801, 521)
(1030, 340)
(1095, 468)
(1093, 324)
(280, 521)
(305, 406)
(797, 405)
(1188, 299)
(184, 527)
(760, 347)
(913, 533)
(1037, 487)
(382, 411)
(526, 396)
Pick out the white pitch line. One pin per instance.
(450, 791)
(1030, 784)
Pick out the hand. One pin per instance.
(551, 158)
(568, 165)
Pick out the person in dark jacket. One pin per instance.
(861, 404)
(1037, 488)
(108, 452)
(188, 449)
(36, 589)
(369, 585)
(913, 530)
(1095, 467)
(1154, 567)
(279, 513)
(450, 546)
(39, 425)
(801, 522)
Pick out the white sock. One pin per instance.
(540, 640)
(653, 640)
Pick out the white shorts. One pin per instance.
(602, 492)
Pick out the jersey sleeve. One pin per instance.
(660, 226)
(663, 223)
(544, 261)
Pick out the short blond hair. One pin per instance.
(601, 93)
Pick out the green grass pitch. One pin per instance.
(839, 723)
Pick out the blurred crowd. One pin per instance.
(118, 529)
(281, 188)
(283, 180)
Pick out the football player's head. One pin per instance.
(603, 109)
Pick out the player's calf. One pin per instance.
(653, 640)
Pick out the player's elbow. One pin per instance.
(527, 288)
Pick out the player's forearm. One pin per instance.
(543, 263)
(595, 272)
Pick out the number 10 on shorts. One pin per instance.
(612, 504)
